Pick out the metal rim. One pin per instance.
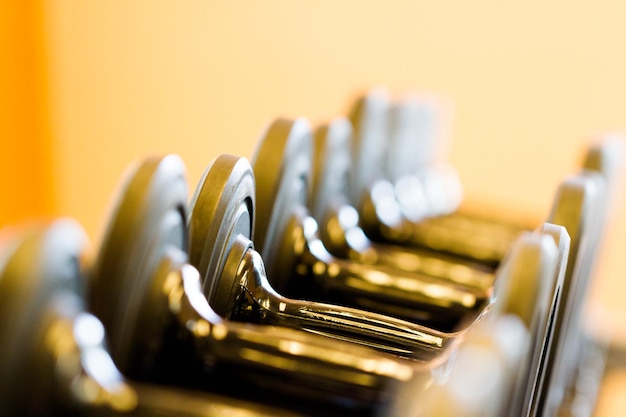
(331, 166)
(370, 121)
(222, 209)
(43, 261)
(413, 135)
(282, 168)
(149, 216)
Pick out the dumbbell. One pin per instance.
(299, 266)
(537, 362)
(339, 223)
(501, 357)
(582, 210)
(388, 200)
(162, 328)
(235, 282)
(53, 356)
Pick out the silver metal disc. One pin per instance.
(221, 209)
(36, 264)
(148, 218)
(282, 167)
(331, 167)
(370, 121)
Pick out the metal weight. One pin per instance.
(238, 288)
(53, 358)
(578, 206)
(299, 266)
(489, 373)
(529, 284)
(339, 223)
(394, 206)
(172, 335)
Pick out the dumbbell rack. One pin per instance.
(334, 275)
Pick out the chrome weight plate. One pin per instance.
(41, 261)
(282, 168)
(149, 216)
(370, 121)
(413, 136)
(331, 167)
(221, 209)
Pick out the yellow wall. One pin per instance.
(530, 80)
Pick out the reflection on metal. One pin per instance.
(54, 361)
(339, 222)
(286, 236)
(421, 222)
(413, 307)
(239, 289)
(173, 336)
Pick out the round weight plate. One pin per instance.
(149, 216)
(413, 136)
(38, 263)
(221, 209)
(370, 121)
(282, 168)
(331, 167)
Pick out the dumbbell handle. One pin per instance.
(261, 304)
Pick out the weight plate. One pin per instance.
(222, 208)
(148, 217)
(370, 121)
(282, 168)
(331, 167)
(37, 263)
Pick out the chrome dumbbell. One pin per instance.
(236, 284)
(163, 329)
(529, 281)
(580, 207)
(392, 203)
(298, 265)
(339, 224)
(500, 358)
(53, 356)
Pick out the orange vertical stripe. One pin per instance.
(25, 157)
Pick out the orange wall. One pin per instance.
(529, 81)
(25, 181)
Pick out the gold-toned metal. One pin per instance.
(411, 203)
(489, 374)
(339, 223)
(299, 266)
(578, 206)
(54, 360)
(172, 335)
(239, 289)
(539, 300)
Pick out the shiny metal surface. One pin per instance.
(499, 364)
(490, 372)
(41, 261)
(149, 215)
(339, 223)
(425, 184)
(221, 221)
(542, 308)
(59, 364)
(173, 336)
(244, 293)
(411, 203)
(577, 207)
(369, 118)
(299, 266)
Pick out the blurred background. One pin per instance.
(88, 86)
